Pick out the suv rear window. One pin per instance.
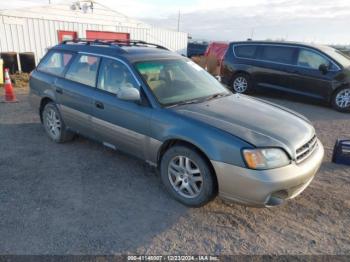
(55, 62)
(245, 51)
(279, 54)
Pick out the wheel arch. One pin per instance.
(344, 85)
(44, 101)
(175, 142)
(240, 71)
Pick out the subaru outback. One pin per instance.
(147, 101)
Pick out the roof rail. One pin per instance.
(137, 43)
(118, 43)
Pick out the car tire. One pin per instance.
(341, 99)
(187, 176)
(241, 83)
(54, 125)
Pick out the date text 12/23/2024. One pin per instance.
(173, 258)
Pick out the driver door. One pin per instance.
(119, 124)
(309, 80)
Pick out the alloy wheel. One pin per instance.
(240, 84)
(185, 176)
(343, 98)
(52, 123)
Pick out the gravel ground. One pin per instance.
(82, 198)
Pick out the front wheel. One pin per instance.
(187, 176)
(341, 99)
(241, 83)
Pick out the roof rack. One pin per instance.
(118, 43)
(137, 43)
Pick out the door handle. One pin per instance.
(99, 105)
(59, 90)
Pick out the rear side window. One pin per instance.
(55, 62)
(84, 70)
(278, 54)
(245, 51)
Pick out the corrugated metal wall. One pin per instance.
(23, 34)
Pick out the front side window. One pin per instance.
(245, 51)
(312, 60)
(337, 55)
(84, 70)
(114, 76)
(278, 54)
(179, 81)
(55, 62)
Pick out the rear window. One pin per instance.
(55, 62)
(245, 51)
(279, 54)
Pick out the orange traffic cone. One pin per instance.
(10, 96)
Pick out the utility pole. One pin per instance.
(252, 33)
(178, 22)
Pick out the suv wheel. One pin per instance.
(241, 83)
(341, 99)
(187, 176)
(54, 125)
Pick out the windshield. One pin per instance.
(179, 81)
(338, 56)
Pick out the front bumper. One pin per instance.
(263, 188)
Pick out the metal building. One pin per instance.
(37, 28)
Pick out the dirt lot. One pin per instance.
(82, 198)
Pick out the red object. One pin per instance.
(217, 49)
(10, 96)
(66, 35)
(104, 35)
(214, 56)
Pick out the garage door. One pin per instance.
(103, 35)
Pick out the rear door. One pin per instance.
(276, 67)
(76, 91)
(310, 81)
(119, 124)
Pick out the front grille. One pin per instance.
(306, 150)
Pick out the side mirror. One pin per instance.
(323, 68)
(129, 94)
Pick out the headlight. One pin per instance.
(265, 158)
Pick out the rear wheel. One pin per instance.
(241, 83)
(187, 176)
(341, 99)
(54, 125)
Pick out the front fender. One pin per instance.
(216, 144)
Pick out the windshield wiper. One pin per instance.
(193, 101)
(216, 96)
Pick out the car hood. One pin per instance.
(259, 123)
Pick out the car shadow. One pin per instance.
(76, 198)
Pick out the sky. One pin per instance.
(317, 21)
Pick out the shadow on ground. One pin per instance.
(77, 197)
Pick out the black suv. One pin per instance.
(317, 72)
